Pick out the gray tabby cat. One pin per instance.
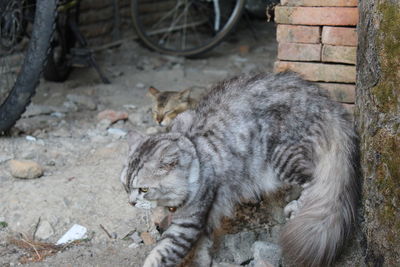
(250, 136)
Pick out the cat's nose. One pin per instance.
(133, 203)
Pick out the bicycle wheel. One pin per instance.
(58, 66)
(22, 58)
(184, 27)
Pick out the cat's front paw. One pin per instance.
(153, 260)
(291, 209)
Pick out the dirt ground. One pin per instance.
(82, 156)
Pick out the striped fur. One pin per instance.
(168, 104)
(250, 136)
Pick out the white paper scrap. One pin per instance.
(76, 232)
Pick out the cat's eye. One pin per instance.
(172, 209)
(143, 190)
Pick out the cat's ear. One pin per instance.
(153, 92)
(134, 138)
(184, 95)
(183, 122)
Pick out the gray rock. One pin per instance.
(82, 101)
(57, 114)
(236, 248)
(130, 106)
(45, 230)
(71, 106)
(224, 264)
(216, 72)
(140, 85)
(134, 245)
(151, 130)
(136, 238)
(103, 124)
(265, 254)
(25, 169)
(61, 132)
(4, 158)
(35, 110)
(117, 132)
(30, 138)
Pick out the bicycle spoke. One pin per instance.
(183, 37)
(184, 26)
(173, 24)
(168, 14)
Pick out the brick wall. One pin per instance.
(318, 39)
(103, 21)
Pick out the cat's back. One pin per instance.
(263, 95)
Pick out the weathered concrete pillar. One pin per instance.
(378, 121)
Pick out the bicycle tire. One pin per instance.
(58, 67)
(145, 34)
(28, 77)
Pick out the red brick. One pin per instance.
(339, 36)
(300, 52)
(348, 3)
(319, 71)
(345, 93)
(349, 107)
(112, 115)
(298, 34)
(345, 16)
(339, 54)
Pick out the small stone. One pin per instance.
(134, 245)
(239, 59)
(140, 85)
(57, 114)
(151, 130)
(30, 138)
(266, 254)
(36, 110)
(61, 132)
(112, 115)
(25, 169)
(216, 72)
(103, 124)
(45, 230)
(236, 247)
(138, 118)
(262, 263)
(224, 264)
(70, 106)
(136, 238)
(130, 106)
(51, 163)
(4, 158)
(83, 101)
(147, 238)
(119, 133)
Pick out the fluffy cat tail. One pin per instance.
(327, 206)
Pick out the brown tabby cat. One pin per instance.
(168, 104)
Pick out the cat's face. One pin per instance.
(168, 104)
(156, 173)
